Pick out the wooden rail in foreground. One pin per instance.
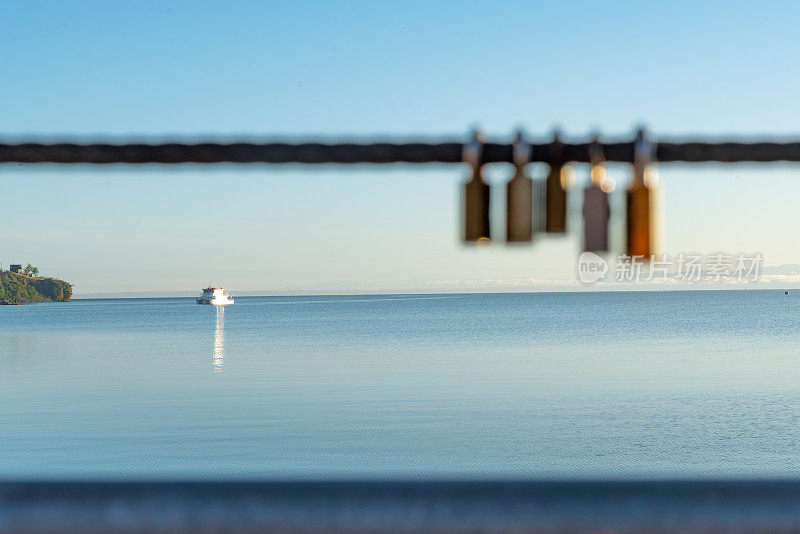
(433, 506)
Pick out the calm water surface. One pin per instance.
(589, 385)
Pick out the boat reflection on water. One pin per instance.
(218, 357)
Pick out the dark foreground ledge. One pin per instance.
(198, 507)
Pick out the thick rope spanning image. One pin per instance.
(349, 153)
(642, 204)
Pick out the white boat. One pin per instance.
(216, 296)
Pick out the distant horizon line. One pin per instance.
(354, 293)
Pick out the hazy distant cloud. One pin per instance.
(775, 277)
(786, 269)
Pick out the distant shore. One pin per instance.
(333, 293)
(22, 289)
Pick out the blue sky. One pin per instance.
(406, 69)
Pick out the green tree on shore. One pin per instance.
(20, 289)
(30, 270)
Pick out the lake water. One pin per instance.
(559, 385)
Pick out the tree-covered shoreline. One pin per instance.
(21, 289)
